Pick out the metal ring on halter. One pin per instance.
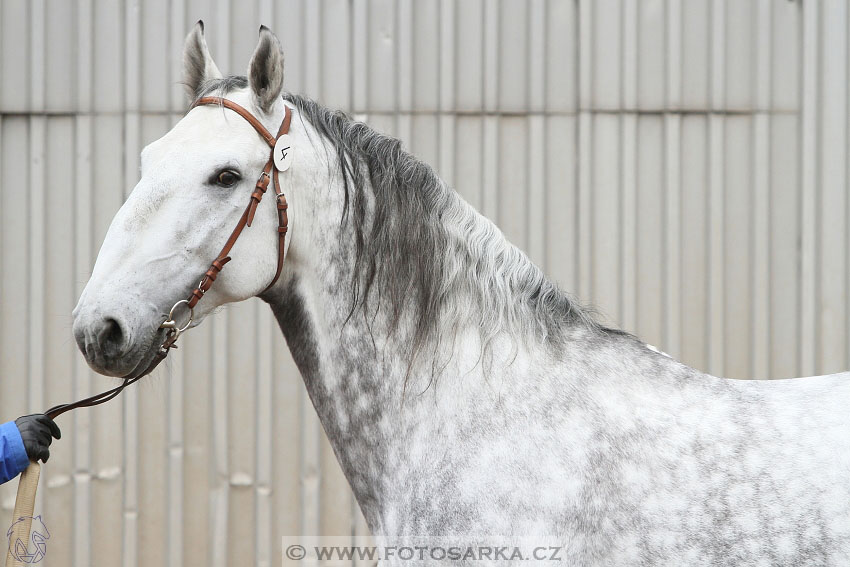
(170, 323)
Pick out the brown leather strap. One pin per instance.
(240, 110)
(282, 207)
(256, 197)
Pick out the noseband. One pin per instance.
(277, 162)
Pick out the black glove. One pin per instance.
(36, 431)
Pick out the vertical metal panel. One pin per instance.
(406, 72)
(694, 240)
(629, 215)
(650, 227)
(651, 54)
(336, 54)
(264, 539)
(740, 32)
(15, 55)
(761, 205)
(561, 201)
(240, 383)
(695, 54)
(681, 164)
(83, 65)
(561, 55)
(382, 55)
(445, 163)
(178, 27)
(288, 28)
(785, 234)
(153, 67)
(360, 55)
(60, 354)
(469, 170)
(424, 36)
(219, 409)
(490, 165)
(760, 273)
(14, 288)
(715, 258)
(311, 32)
(833, 237)
(424, 137)
(737, 243)
(584, 202)
(243, 31)
(786, 55)
(605, 216)
(672, 234)
(108, 65)
(513, 172)
(287, 456)
(84, 251)
(535, 183)
(607, 54)
(470, 42)
(197, 422)
(57, 38)
(673, 35)
(716, 188)
(448, 38)
(809, 333)
(514, 64)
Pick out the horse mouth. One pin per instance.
(149, 353)
(134, 362)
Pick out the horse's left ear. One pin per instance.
(265, 72)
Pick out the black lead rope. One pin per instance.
(97, 399)
(104, 397)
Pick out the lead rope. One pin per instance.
(19, 533)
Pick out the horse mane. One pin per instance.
(422, 247)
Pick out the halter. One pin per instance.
(174, 330)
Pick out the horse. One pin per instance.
(464, 394)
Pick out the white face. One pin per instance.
(195, 184)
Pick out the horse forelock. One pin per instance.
(420, 239)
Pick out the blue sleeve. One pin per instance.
(13, 455)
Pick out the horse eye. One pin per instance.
(227, 178)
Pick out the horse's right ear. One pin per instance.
(198, 65)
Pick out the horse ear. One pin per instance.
(198, 65)
(265, 72)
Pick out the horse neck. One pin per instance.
(357, 366)
(388, 400)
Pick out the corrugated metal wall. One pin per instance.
(682, 164)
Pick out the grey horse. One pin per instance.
(464, 394)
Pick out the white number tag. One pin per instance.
(283, 153)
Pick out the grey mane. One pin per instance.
(406, 254)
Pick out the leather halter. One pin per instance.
(173, 329)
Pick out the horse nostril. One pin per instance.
(111, 338)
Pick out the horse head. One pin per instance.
(195, 182)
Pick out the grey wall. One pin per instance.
(681, 163)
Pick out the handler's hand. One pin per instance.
(36, 431)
